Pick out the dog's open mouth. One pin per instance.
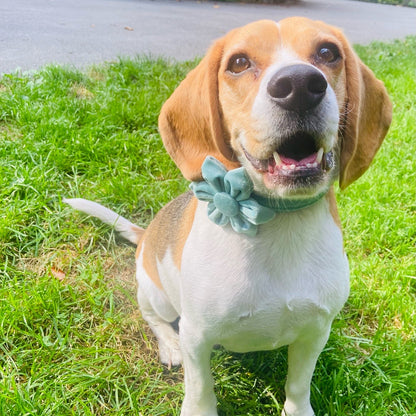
(299, 157)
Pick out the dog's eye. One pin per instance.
(238, 64)
(328, 53)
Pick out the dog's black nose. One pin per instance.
(297, 87)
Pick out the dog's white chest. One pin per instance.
(272, 322)
(263, 292)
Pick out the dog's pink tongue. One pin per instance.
(302, 162)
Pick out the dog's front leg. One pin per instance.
(199, 385)
(303, 354)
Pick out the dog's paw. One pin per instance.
(170, 353)
(304, 412)
(198, 414)
(206, 408)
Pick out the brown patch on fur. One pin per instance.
(149, 263)
(169, 229)
(185, 226)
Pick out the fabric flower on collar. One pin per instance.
(228, 194)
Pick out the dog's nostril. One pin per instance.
(281, 89)
(297, 87)
(317, 84)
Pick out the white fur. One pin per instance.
(282, 287)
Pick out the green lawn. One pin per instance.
(72, 340)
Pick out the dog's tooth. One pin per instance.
(276, 158)
(292, 167)
(319, 155)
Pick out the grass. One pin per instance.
(72, 341)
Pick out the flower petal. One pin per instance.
(256, 213)
(238, 184)
(216, 215)
(241, 225)
(202, 190)
(226, 204)
(213, 171)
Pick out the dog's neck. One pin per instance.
(232, 200)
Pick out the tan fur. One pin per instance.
(368, 116)
(190, 123)
(306, 39)
(237, 94)
(139, 233)
(333, 209)
(168, 230)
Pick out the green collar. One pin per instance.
(232, 200)
(287, 205)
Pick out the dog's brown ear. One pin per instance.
(190, 121)
(368, 113)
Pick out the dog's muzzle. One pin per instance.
(301, 158)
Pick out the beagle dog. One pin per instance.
(253, 259)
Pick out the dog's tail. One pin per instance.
(128, 230)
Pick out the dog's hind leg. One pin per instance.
(158, 312)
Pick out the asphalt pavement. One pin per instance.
(83, 32)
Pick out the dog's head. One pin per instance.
(290, 101)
